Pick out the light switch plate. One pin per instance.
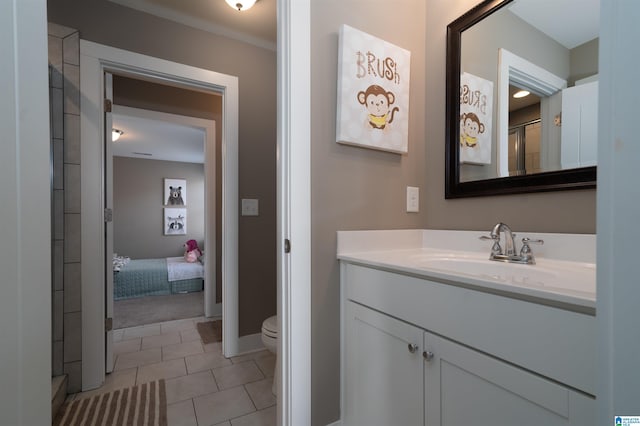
(413, 199)
(249, 207)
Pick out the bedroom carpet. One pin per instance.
(152, 309)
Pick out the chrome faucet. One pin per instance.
(509, 253)
(509, 242)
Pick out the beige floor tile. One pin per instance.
(161, 370)
(189, 335)
(223, 405)
(250, 356)
(205, 361)
(142, 331)
(237, 374)
(260, 393)
(135, 359)
(227, 423)
(187, 387)
(117, 335)
(178, 325)
(160, 340)
(125, 346)
(181, 350)
(265, 417)
(266, 364)
(213, 347)
(181, 414)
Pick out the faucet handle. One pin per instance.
(526, 241)
(495, 249)
(525, 252)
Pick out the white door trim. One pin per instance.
(294, 212)
(94, 59)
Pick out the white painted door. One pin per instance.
(383, 370)
(466, 387)
(108, 223)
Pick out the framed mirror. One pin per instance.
(522, 95)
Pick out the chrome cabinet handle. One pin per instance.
(412, 347)
(428, 355)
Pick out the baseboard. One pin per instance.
(250, 343)
(217, 310)
(338, 423)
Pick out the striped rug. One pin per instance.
(140, 405)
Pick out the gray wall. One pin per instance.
(256, 71)
(355, 188)
(584, 60)
(138, 197)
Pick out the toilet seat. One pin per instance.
(270, 327)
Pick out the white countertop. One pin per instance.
(564, 272)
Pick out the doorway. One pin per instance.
(95, 61)
(155, 149)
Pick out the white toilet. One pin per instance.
(270, 341)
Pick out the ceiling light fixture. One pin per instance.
(115, 134)
(521, 94)
(241, 5)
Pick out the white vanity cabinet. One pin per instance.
(382, 369)
(417, 352)
(466, 387)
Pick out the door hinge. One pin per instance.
(107, 105)
(108, 215)
(108, 324)
(287, 245)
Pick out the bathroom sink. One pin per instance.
(564, 273)
(546, 275)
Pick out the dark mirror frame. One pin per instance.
(581, 178)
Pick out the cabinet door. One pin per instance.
(383, 374)
(466, 387)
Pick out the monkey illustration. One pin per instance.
(470, 128)
(378, 102)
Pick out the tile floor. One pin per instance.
(203, 387)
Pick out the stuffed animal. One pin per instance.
(191, 251)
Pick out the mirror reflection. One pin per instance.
(528, 90)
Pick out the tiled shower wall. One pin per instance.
(64, 98)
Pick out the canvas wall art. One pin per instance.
(175, 192)
(175, 221)
(476, 117)
(373, 92)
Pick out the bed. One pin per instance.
(152, 277)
